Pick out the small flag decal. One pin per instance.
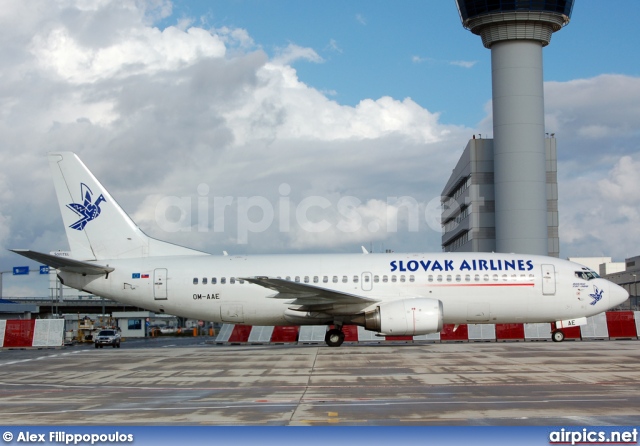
(135, 275)
(144, 276)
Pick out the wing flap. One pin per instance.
(305, 294)
(65, 264)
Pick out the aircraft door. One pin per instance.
(366, 281)
(548, 280)
(160, 283)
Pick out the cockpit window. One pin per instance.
(587, 274)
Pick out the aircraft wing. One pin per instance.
(307, 295)
(65, 264)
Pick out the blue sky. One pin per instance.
(417, 48)
(366, 102)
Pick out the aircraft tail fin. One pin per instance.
(96, 226)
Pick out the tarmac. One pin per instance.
(187, 381)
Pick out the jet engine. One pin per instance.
(406, 317)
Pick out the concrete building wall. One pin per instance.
(469, 205)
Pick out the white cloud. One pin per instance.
(235, 37)
(601, 217)
(333, 46)
(623, 182)
(156, 113)
(464, 63)
(594, 121)
(456, 63)
(418, 59)
(600, 107)
(292, 53)
(141, 51)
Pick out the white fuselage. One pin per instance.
(473, 287)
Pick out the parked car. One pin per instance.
(107, 337)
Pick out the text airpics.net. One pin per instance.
(313, 214)
(588, 436)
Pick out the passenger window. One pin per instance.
(505, 277)
(213, 281)
(393, 278)
(486, 277)
(412, 278)
(477, 278)
(204, 280)
(335, 279)
(467, 278)
(439, 278)
(458, 278)
(430, 278)
(385, 279)
(223, 280)
(315, 279)
(195, 280)
(345, 279)
(366, 279)
(288, 278)
(297, 278)
(402, 278)
(495, 277)
(355, 279)
(306, 279)
(232, 280)
(376, 279)
(242, 281)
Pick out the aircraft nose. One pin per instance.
(617, 295)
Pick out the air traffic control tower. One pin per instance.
(516, 31)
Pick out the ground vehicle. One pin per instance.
(107, 337)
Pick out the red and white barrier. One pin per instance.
(31, 333)
(610, 325)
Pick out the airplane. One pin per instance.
(390, 294)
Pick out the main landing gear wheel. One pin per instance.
(557, 336)
(334, 337)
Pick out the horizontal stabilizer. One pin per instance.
(65, 264)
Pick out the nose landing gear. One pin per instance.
(557, 336)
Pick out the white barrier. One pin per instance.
(260, 334)
(596, 327)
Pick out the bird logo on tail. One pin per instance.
(87, 211)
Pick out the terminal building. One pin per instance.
(627, 278)
(468, 200)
